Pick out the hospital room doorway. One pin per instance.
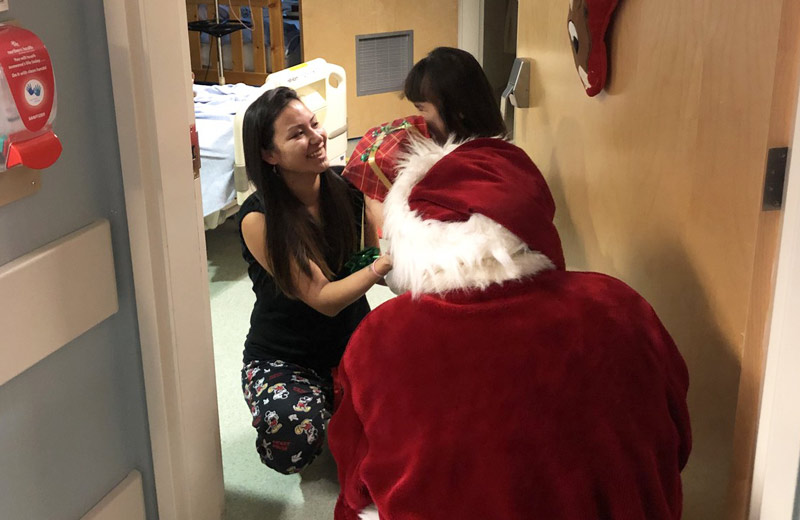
(251, 489)
(170, 274)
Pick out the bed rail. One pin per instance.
(261, 66)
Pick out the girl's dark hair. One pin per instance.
(292, 235)
(454, 82)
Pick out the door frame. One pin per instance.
(777, 459)
(148, 49)
(470, 27)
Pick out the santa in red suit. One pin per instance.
(500, 385)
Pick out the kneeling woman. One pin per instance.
(298, 230)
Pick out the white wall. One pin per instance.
(74, 425)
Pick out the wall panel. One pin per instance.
(53, 295)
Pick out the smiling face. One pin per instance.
(300, 142)
(433, 120)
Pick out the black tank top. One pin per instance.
(288, 329)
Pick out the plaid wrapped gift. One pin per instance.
(371, 168)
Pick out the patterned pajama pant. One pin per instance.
(290, 406)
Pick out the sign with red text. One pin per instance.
(29, 74)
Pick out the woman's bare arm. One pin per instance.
(316, 290)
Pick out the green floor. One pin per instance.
(252, 491)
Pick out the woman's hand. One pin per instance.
(382, 265)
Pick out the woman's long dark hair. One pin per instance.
(292, 235)
(454, 82)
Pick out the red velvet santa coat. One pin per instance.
(502, 386)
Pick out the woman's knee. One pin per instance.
(290, 410)
(291, 453)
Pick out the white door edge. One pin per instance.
(148, 52)
(470, 27)
(777, 459)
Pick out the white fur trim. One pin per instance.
(369, 513)
(431, 256)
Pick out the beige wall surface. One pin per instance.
(657, 181)
(330, 29)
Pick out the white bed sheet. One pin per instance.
(214, 109)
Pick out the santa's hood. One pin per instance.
(468, 215)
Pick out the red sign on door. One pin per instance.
(27, 96)
(29, 74)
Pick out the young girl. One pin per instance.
(298, 230)
(450, 90)
(452, 93)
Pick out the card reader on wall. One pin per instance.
(518, 89)
(517, 92)
(27, 101)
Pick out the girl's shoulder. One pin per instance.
(252, 203)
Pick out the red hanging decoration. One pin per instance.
(587, 25)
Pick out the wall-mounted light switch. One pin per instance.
(3, 5)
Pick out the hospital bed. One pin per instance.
(247, 54)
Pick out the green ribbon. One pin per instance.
(362, 259)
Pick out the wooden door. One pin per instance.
(658, 181)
